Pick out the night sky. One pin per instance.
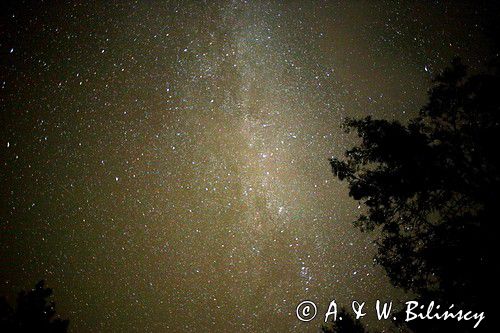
(165, 165)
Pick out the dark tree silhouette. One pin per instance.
(432, 190)
(33, 313)
(348, 324)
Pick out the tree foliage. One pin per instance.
(347, 324)
(33, 313)
(432, 188)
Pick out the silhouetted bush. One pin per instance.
(32, 313)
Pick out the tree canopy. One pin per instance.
(432, 187)
(348, 324)
(32, 313)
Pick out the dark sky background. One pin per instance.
(165, 164)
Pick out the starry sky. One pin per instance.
(165, 164)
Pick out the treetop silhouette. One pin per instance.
(432, 188)
(33, 313)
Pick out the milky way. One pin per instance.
(166, 165)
